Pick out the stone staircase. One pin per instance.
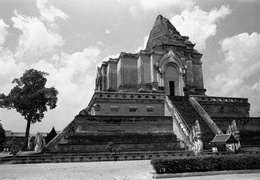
(120, 141)
(190, 115)
(103, 134)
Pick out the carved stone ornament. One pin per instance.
(232, 129)
(195, 138)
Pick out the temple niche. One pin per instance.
(168, 64)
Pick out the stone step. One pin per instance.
(121, 147)
(129, 133)
(91, 157)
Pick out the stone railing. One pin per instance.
(219, 99)
(179, 122)
(205, 116)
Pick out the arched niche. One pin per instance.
(172, 71)
(172, 80)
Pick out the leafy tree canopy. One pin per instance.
(30, 97)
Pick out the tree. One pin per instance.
(30, 98)
(2, 136)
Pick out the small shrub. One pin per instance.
(206, 163)
(14, 145)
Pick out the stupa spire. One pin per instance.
(163, 32)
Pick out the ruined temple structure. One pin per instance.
(155, 100)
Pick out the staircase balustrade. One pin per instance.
(205, 116)
(180, 122)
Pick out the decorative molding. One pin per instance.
(149, 108)
(114, 108)
(132, 108)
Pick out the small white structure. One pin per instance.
(195, 138)
(40, 143)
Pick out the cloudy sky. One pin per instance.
(68, 39)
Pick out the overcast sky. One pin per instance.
(68, 39)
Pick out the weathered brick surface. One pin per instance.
(126, 133)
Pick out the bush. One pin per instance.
(14, 145)
(206, 163)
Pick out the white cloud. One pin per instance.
(133, 10)
(48, 12)
(239, 72)
(242, 53)
(71, 74)
(3, 32)
(100, 43)
(9, 69)
(35, 37)
(256, 86)
(199, 25)
(144, 45)
(107, 31)
(166, 4)
(39, 35)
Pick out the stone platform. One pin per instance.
(106, 134)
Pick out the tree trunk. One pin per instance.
(27, 132)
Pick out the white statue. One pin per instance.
(40, 143)
(232, 129)
(195, 137)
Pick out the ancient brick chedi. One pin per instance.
(155, 100)
(169, 63)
